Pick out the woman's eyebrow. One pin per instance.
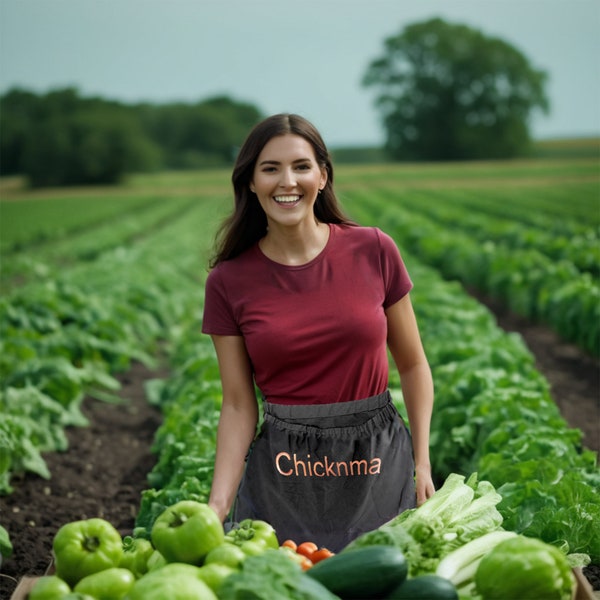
(276, 162)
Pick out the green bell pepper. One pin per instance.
(136, 553)
(49, 587)
(253, 537)
(187, 531)
(214, 574)
(85, 547)
(110, 584)
(156, 561)
(174, 581)
(227, 554)
(252, 548)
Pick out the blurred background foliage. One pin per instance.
(443, 92)
(62, 138)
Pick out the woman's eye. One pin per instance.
(303, 167)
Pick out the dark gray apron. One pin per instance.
(326, 473)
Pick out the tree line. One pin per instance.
(63, 138)
(444, 91)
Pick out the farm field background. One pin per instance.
(101, 296)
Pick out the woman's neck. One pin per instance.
(294, 246)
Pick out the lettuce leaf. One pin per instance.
(457, 513)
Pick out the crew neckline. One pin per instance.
(305, 265)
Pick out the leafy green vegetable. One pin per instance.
(6, 547)
(457, 513)
(272, 575)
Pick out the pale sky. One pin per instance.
(304, 56)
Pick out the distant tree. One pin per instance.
(448, 92)
(93, 145)
(16, 110)
(198, 135)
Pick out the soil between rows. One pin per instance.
(102, 474)
(104, 471)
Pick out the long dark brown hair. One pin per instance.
(248, 223)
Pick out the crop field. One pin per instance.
(100, 283)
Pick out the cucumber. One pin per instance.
(368, 572)
(424, 587)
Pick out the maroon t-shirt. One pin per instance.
(315, 333)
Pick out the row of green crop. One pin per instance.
(456, 211)
(65, 338)
(526, 281)
(560, 197)
(60, 252)
(493, 415)
(28, 222)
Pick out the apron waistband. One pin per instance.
(338, 420)
(312, 411)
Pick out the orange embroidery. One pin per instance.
(289, 466)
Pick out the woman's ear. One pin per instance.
(251, 186)
(323, 178)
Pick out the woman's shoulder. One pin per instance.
(362, 234)
(233, 266)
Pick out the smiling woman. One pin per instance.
(287, 180)
(304, 304)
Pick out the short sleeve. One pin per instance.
(396, 279)
(218, 317)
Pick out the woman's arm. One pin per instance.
(237, 423)
(407, 351)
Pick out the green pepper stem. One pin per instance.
(91, 543)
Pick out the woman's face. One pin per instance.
(287, 179)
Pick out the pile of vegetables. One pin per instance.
(452, 547)
(457, 535)
(189, 556)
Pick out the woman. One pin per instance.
(303, 304)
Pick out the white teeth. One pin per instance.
(287, 199)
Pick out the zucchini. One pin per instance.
(368, 572)
(424, 587)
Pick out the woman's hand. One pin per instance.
(424, 481)
(221, 512)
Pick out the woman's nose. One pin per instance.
(288, 179)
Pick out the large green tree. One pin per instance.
(448, 92)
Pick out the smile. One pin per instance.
(286, 199)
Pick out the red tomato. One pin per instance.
(307, 549)
(321, 554)
(290, 544)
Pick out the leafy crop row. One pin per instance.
(567, 240)
(494, 415)
(190, 400)
(63, 339)
(525, 280)
(84, 245)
